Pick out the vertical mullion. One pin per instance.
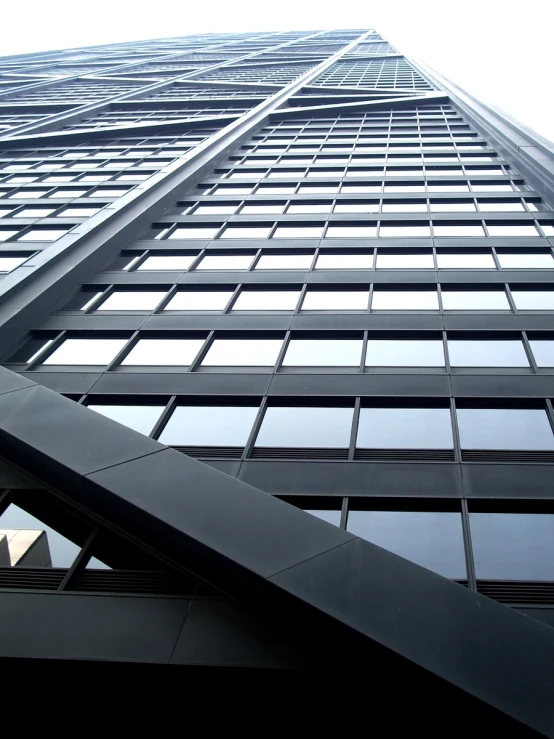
(468, 548)
(354, 430)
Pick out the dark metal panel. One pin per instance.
(360, 384)
(190, 383)
(364, 479)
(508, 480)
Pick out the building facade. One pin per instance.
(277, 337)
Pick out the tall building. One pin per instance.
(277, 346)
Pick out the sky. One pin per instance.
(493, 49)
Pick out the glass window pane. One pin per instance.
(360, 207)
(405, 261)
(226, 261)
(309, 208)
(323, 353)
(351, 232)
(465, 261)
(243, 353)
(239, 232)
(214, 210)
(187, 232)
(533, 299)
(124, 300)
(86, 351)
(199, 300)
(513, 546)
(512, 230)
(285, 261)
(206, 425)
(33, 544)
(487, 353)
(43, 234)
(316, 428)
(164, 352)
(261, 209)
(167, 263)
(404, 207)
(505, 428)
(405, 300)
(403, 231)
(543, 351)
(405, 428)
(475, 300)
(9, 263)
(452, 207)
(525, 260)
(344, 261)
(457, 230)
(298, 232)
(335, 300)
(431, 539)
(141, 418)
(267, 300)
(404, 353)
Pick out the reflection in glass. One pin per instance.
(304, 427)
(505, 428)
(192, 425)
(431, 539)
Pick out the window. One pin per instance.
(543, 351)
(86, 351)
(34, 213)
(506, 229)
(533, 299)
(209, 425)
(79, 212)
(140, 418)
(513, 546)
(487, 353)
(405, 232)
(226, 261)
(190, 232)
(404, 353)
(199, 300)
(452, 207)
(177, 262)
(466, 260)
(335, 300)
(352, 232)
(214, 210)
(500, 205)
(306, 427)
(43, 234)
(267, 300)
(297, 208)
(9, 263)
(33, 544)
(405, 300)
(125, 300)
(323, 353)
(409, 260)
(163, 352)
(505, 428)
(257, 209)
(285, 261)
(525, 260)
(431, 539)
(405, 428)
(357, 207)
(344, 260)
(457, 230)
(474, 300)
(298, 232)
(246, 232)
(243, 353)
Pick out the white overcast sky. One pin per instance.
(498, 50)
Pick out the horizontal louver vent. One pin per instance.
(131, 581)
(518, 593)
(226, 452)
(31, 578)
(405, 455)
(262, 452)
(508, 456)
